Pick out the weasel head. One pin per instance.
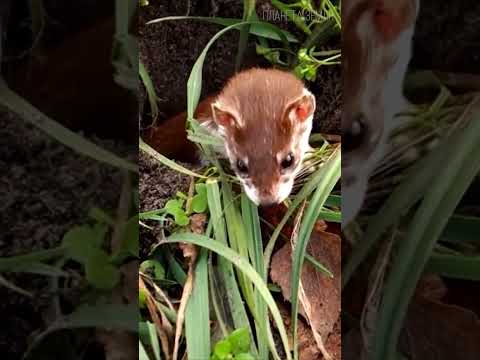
(376, 40)
(265, 118)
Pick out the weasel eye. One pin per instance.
(287, 161)
(242, 167)
(355, 135)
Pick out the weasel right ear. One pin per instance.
(301, 108)
(390, 18)
(223, 117)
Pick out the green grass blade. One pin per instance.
(331, 176)
(197, 312)
(218, 219)
(461, 229)
(152, 95)
(318, 266)
(248, 10)
(238, 239)
(402, 199)
(331, 216)
(153, 337)
(165, 161)
(251, 221)
(142, 354)
(194, 83)
(247, 269)
(441, 199)
(258, 28)
(455, 266)
(306, 190)
(72, 140)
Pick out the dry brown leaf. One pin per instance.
(153, 311)
(323, 293)
(434, 330)
(307, 346)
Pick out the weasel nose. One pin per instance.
(268, 199)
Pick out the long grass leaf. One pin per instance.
(251, 221)
(248, 10)
(306, 190)
(153, 337)
(197, 312)
(331, 176)
(166, 161)
(257, 28)
(455, 266)
(236, 305)
(72, 140)
(247, 269)
(441, 199)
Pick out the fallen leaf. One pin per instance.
(434, 330)
(307, 346)
(322, 291)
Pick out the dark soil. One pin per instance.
(447, 36)
(170, 49)
(158, 184)
(45, 189)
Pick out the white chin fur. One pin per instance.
(352, 200)
(284, 189)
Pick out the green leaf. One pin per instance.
(200, 201)
(100, 273)
(223, 349)
(297, 19)
(80, 243)
(240, 341)
(154, 267)
(131, 235)
(142, 298)
(244, 356)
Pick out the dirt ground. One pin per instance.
(45, 189)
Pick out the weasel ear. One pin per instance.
(223, 117)
(391, 17)
(302, 108)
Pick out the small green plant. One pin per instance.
(234, 346)
(318, 25)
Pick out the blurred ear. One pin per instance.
(301, 108)
(223, 116)
(391, 17)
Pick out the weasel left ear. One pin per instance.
(223, 117)
(301, 108)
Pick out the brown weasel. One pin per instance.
(377, 36)
(264, 117)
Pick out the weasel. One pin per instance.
(377, 36)
(264, 117)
